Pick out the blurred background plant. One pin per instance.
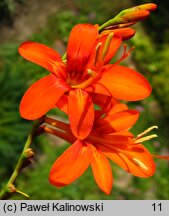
(8, 9)
(50, 22)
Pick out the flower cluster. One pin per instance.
(83, 79)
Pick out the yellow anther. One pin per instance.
(107, 45)
(98, 51)
(143, 139)
(147, 131)
(98, 45)
(91, 73)
(138, 162)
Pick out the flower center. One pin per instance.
(85, 83)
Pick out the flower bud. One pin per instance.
(136, 15)
(148, 6)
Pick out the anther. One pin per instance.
(107, 45)
(91, 73)
(98, 50)
(138, 162)
(147, 131)
(143, 139)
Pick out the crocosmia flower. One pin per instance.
(85, 70)
(109, 139)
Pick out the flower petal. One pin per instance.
(81, 41)
(124, 133)
(122, 83)
(115, 140)
(108, 105)
(41, 97)
(62, 103)
(118, 121)
(102, 103)
(116, 107)
(70, 165)
(135, 159)
(102, 171)
(81, 113)
(44, 56)
(101, 100)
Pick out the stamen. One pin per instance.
(88, 81)
(98, 50)
(147, 131)
(91, 73)
(138, 162)
(161, 157)
(125, 53)
(143, 139)
(63, 135)
(58, 124)
(107, 45)
(83, 84)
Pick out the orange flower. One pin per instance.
(85, 70)
(110, 139)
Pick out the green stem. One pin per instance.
(5, 191)
(118, 19)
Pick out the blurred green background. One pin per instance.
(50, 22)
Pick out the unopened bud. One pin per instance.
(136, 15)
(148, 6)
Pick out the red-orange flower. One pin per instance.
(109, 139)
(85, 70)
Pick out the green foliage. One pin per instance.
(161, 77)
(61, 24)
(12, 128)
(7, 9)
(152, 60)
(157, 24)
(99, 11)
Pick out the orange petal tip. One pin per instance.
(148, 6)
